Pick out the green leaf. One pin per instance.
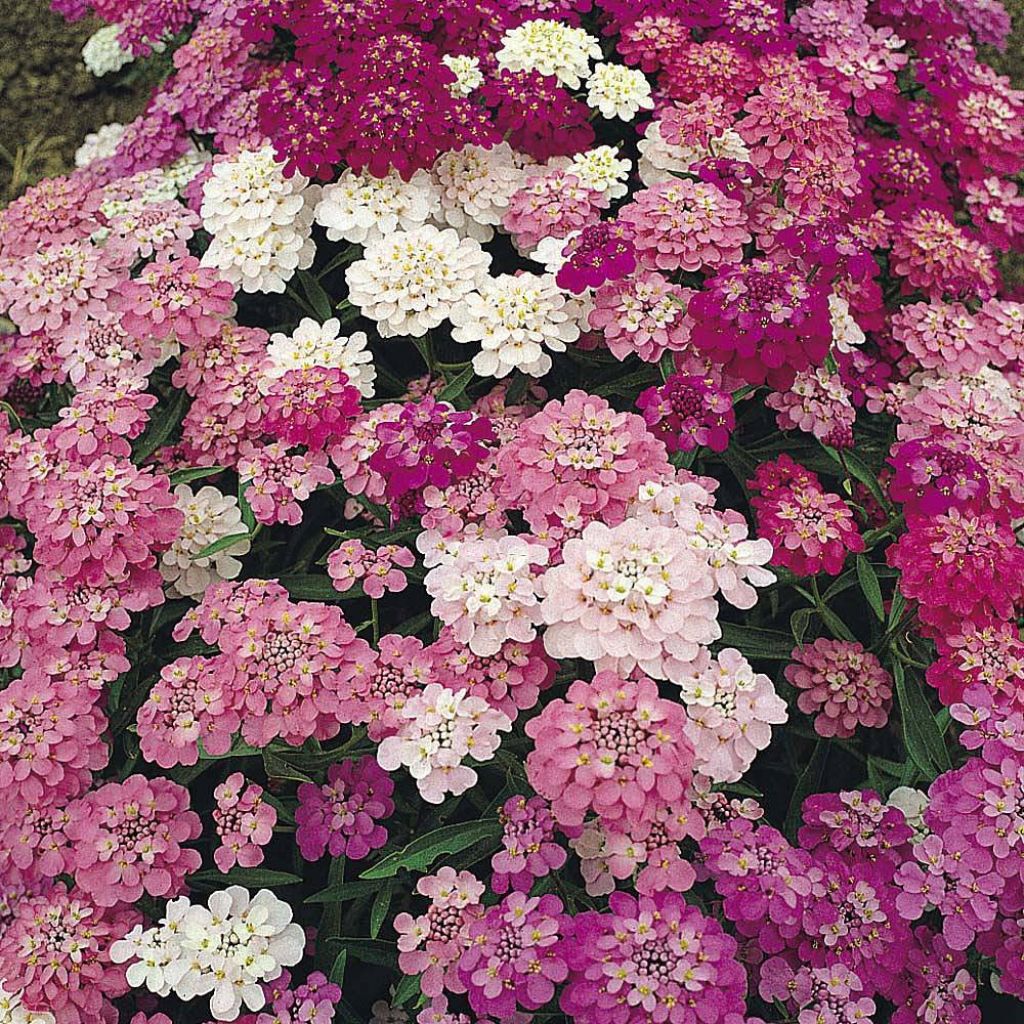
(836, 626)
(184, 476)
(225, 542)
(921, 734)
(407, 990)
(337, 972)
(380, 908)
(667, 365)
(368, 951)
(808, 783)
(859, 471)
(160, 429)
(757, 643)
(457, 386)
(316, 296)
(798, 623)
(251, 878)
(896, 609)
(238, 749)
(279, 768)
(308, 587)
(869, 584)
(247, 514)
(342, 892)
(421, 853)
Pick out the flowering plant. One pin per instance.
(509, 512)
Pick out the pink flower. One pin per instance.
(72, 937)
(688, 411)
(127, 839)
(633, 595)
(174, 297)
(643, 314)
(856, 824)
(843, 686)
(653, 958)
(343, 817)
(613, 747)
(600, 252)
(277, 481)
(552, 205)
(488, 592)
(438, 729)
(313, 406)
(817, 403)
(936, 473)
(516, 955)
(431, 944)
(685, 225)
(528, 850)
(244, 822)
(379, 571)
(730, 711)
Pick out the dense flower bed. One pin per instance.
(509, 514)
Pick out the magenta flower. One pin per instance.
(936, 473)
(856, 824)
(688, 411)
(600, 252)
(314, 407)
(343, 816)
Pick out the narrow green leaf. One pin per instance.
(316, 296)
(457, 386)
(380, 908)
(307, 587)
(836, 626)
(238, 749)
(421, 853)
(342, 892)
(337, 973)
(757, 643)
(667, 365)
(808, 783)
(368, 951)
(161, 428)
(278, 768)
(921, 734)
(243, 503)
(407, 990)
(798, 623)
(869, 584)
(225, 542)
(184, 476)
(896, 609)
(251, 878)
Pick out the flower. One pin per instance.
(127, 839)
(550, 48)
(516, 955)
(209, 516)
(223, 950)
(468, 76)
(438, 729)
(313, 407)
(688, 411)
(379, 571)
(652, 958)
(843, 686)
(476, 185)
(276, 481)
(102, 53)
(528, 850)
(343, 816)
(551, 206)
(600, 252)
(245, 823)
(313, 344)
(857, 824)
(612, 746)
(362, 208)
(409, 281)
(730, 711)
(818, 403)
(516, 318)
(618, 91)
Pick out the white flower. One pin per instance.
(913, 803)
(515, 318)
(468, 75)
(13, 1012)
(846, 332)
(550, 252)
(313, 344)
(186, 167)
(551, 48)
(618, 91)
(100, 144)
(663, 161)
(475, 187)
(260, 220)
(409, 281)
(103, 54)
(602, 170)
(209, 517)
(361, 208)
(223, 950)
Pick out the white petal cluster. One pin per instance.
(409, 281)
(516, 319)
(466, 70)
(100, 144)
(209, 517)
(550, 48)
(13, 1012)
(223, 950)
(103, 54)
(846, 332)
(475, 186)
(603, 170)
(186, 167)
(313, 344)
(260, 221)
(664, 161)
(361, 208)
(618, 91)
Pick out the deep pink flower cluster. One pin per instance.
(313, 407)
(688, 411)
(810, 529)
(528, 850)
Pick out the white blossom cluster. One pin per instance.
(312, 344)
(618, 91)
(13, 1011)
(550, 48)
(103, 54)
(223, 950)
(260, 221)
(210, 516)
(100, 144)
